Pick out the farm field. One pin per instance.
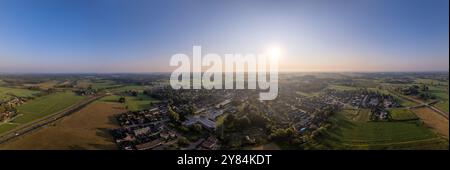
(129, 87)
(85, 129)
(44, 85)
(433, 120)
(132, 103)
(96, 84)
(441, 93)
(6, 93)
(4, 127)
(349, 134)
(402, 114)
(45, 105)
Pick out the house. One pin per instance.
(204, 121)
(168, 135)
(210, 143)
(142, 131)
(214, 114)
(223, 103)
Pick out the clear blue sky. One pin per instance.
(141, 36)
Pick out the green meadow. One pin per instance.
(46, 105)
(4, 127)
(132, 103)
(6, 93)
(402, 114)
(348, 134)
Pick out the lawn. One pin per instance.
(402, 114)
(348, 134)
(6, 93)
(46, 105)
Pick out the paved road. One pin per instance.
(31, 126)
(422, 104)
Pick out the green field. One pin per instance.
(341, 87)
(431, 82)
(441, 93)
(308, 94)
(402, 114)
(4, 127)
(97, 84)
(349, 134)
(6, 93)
(359, 115)
(132, 103)
(46, 105)
(129, 87)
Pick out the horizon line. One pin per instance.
(168, 72)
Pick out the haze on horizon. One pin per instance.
(84, 36)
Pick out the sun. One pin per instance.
(274, 52)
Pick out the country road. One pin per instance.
(34, 125)
(422, 104)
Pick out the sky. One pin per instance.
(112, 36)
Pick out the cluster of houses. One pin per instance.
(7, 108)
(378, 103)
(143, 130)
(86, 91)
(142, 117)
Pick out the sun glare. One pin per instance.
(274, 52)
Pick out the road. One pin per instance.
(422, 104)
(34, 125)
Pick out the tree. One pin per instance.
(229, 120)
(122, 99)
(197, 128)
(174, 116)
(242, 122)
(183, 141)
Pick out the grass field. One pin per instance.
(308, 94)
(402, 114)
(360, 115)
(85, 129)
(96, 84)
(132, 103)
(349, 134)
(341, 87)
(45, 105)
(44, 85)
(6, 93)
(430, 82)
(129, 87)
(4, 127)
(441, 94)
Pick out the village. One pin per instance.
(155, 129)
